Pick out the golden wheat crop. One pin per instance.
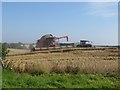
(83, 61)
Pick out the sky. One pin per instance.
(0, 22)
(60, 0)
(28, 21)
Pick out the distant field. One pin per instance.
(103, 61)
(17, 51)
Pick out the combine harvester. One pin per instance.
(51, 43)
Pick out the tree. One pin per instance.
(0, 50)
(3, 53)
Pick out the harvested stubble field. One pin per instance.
(103, 61)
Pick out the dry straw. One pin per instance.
(103, 61)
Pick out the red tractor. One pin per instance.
(84, 43)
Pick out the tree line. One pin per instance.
(18, 45)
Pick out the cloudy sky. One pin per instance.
(27, 22)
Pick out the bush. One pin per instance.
(4, 51)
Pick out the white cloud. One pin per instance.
(103, 9)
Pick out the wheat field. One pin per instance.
(104, 61)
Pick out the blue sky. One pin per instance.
(27, 22)
(0, 22)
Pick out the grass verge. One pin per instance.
(12, 79)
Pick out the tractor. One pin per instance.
(85, 43)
